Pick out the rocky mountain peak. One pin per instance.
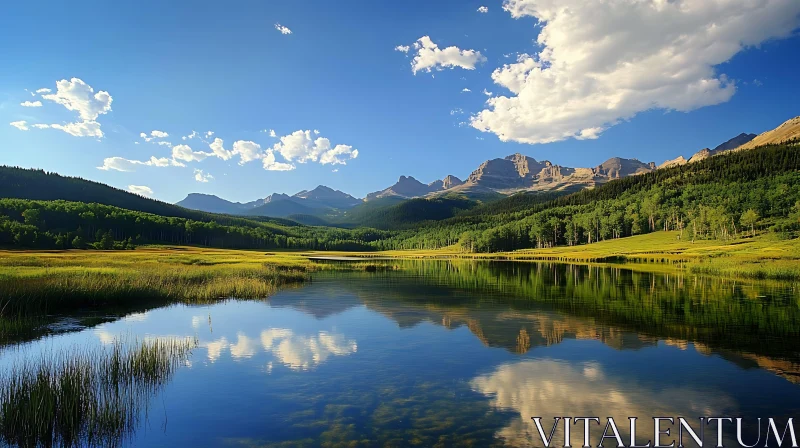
(451, 181)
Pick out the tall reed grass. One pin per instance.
(84, 397)
(65, 290)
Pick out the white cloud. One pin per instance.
(127, 165)
(44, 90)
(487, 93)
(185, 154)
(41, 126)
(483, 9)
(219, 150)
(159, 134)
(247, 151)
(430, 57)
(338, 155)
(190, 136)
(271, 165)
(165, 144)
(78, 96)
(464, 90)
(300, 146)
(31, 104)
(402, 48)
(209, 134)
(282, 29)
(457, 111)
(603, 62)
(140, 190)
(272, 133)
(22, 125)
(200, 176)
(80, 129)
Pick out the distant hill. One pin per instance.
(407, 187)
(788, 131)
(36, 184)
(406, 213)
(22, 183)
(320, 200)
(735, 142)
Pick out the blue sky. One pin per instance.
(179, 67)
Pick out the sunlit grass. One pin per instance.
(762, 257)
(41, 282)
(84, 397)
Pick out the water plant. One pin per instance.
(81, 397)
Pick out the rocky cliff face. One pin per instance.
(680, 160)
(788, 131)
(451, 181)
(735, 142)
(323, 196)
(617, 167)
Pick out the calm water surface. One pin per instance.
(443, 354)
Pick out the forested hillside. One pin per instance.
(21, 183)
(406, 214)
(727, 196)
(63, 225)
(721, 197)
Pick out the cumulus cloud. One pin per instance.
(487, 93)
(127, 165)
(219, 150)
(77, 96)
(80, 129)
(186, 154)
(272, 133)
(300, 146)
(209, 134)
(247, 151)
(190, 136)
(402, 48)
(140, 190)
(430, 57)
(43, 90)
(270, 164)
(31, 104)
(603, 62)
(483, 9)
(465, 90)
(159, 134)
(282, 29)
(22, 125)
(200, 176)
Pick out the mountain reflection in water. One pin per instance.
(466, 353)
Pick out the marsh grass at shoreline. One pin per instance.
(45, 282)
(80, 397)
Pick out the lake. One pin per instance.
(444, 353)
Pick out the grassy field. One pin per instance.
(762, 257)
(41, 282)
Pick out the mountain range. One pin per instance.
(496, 177)
(311, 202)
